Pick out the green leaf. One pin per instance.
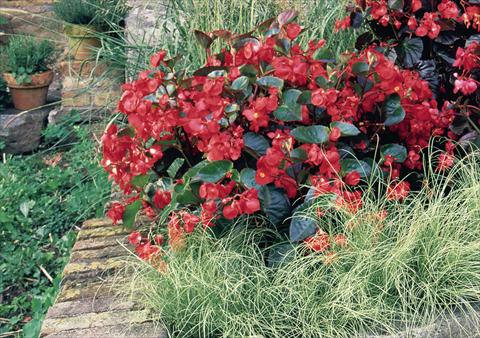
(321, 81)
(247, 178)
(130, 214)
(351, 164)
(290, 110)
(193, 171)
(265, 25)
(410, 51)
(140, 181)
(396, 4)
(214, 171)
(360, 68)
(240, 83)
(175, 167)
(127, 131)
(397, 151)
(286, 17)
(298, 155)
(25, 207)
(203, 39)
(324, 54)
(270, 81)
(217, 73)
(301, 225)
(280, 254)
(305, 97)
(248, 70)
(207, 70)
(290, 97)
(312, 134)
(185, 193)
(393, 110)
(288, 114)
(275, 203)
(256, 142)
(232, 108)
(346, 129)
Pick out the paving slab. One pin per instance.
(88, 304)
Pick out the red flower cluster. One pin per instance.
(263, 119)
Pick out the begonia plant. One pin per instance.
(266, 128)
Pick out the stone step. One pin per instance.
(89, 304)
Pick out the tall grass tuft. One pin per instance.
(184, 16)
(419, 265)
(177, 20)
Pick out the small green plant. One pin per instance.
(43, 197)
(24, 56)
(4, 95)
(102, 14)
(401, 265)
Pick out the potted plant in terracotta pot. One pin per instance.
(84, 20)
(26, 70)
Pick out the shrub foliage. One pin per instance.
(102, 14)
(440, 40)
(24, 56)
(264, 128)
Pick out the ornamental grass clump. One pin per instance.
(25, 56)
(103, 15)
(399, 266)
(265, 129)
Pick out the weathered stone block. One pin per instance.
(97, 243)
(143, 330)
(92, 320)
(97, 223)
(79, 307)
(21, 131)
(86, 255)
(75, 99)
(107, 97)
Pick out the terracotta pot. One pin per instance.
(31, 95)
(82, 41)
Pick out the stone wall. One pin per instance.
(33, 17)
(143, 27)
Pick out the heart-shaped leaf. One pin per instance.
(397, 151)
(360, 68)
(247, 178)
(396, 4)
(290, 110)
(280, 254)
(324, 54)
(270, 81)
(312, 134)
(175, 167)
(130, 214)
(214, 171)
(352, 164)
(240, 83)
(393, 110)
(298, 155)
(140, 181)
(346, 129)
(203, 38)
(256, 142)
(275, 204)
(287, 17)
(248, 70)
(410, 51)
(207, 70)
(302, 226)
